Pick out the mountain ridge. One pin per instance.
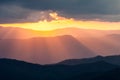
(109, 59)
(17, 70)
(44, 50)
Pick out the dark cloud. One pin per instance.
(19, 10)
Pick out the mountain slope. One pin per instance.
(109, 59)
(104, 45)
(44, 50)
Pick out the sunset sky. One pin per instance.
(56, 30)
(56, 14)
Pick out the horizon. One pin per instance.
(92, 28)
(59, 39)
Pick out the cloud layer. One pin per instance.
(12, 11)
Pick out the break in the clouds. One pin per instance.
(12, 11)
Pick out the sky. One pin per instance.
(45, 15)
(56, 14)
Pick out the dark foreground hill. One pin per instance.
(18, 70)
(110, 59)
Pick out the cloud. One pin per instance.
(20, 10)
(17, 14)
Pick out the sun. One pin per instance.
(59, 22)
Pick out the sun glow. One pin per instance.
(59, 22)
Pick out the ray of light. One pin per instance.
(6, 33)
(102, 45)
(57, 49)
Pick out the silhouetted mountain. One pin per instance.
(81, 61)
(19, 70)
(109, 59)
(44, 50)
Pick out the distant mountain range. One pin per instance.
(44, 50)
(97, 70)
(53, 46)
(105, 45)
